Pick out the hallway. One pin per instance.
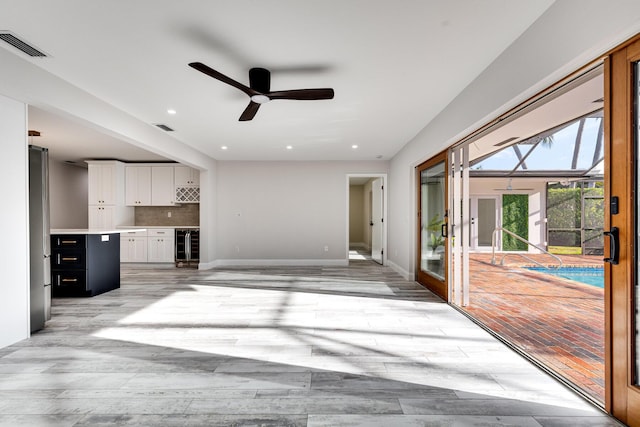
(303, 346)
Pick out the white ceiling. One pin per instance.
(393, 65)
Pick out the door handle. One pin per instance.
(444, 231)
(614, 246)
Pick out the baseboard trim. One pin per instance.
(273, 263)
(401, 271)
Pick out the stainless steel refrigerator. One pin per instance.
(39, 237)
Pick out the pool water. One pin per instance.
(593, 276)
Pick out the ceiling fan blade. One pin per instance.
(219, 76)
(303, 94)
(249, 112)
(260, 79)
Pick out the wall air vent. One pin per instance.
(21, 45)
(506, 141)
(164, 127)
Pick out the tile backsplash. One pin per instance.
(186, 214)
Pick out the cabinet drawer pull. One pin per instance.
(69, 280)
(70, 258)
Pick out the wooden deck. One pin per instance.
(557, 321)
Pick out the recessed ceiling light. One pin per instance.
(171, 111)
(354, 146)
(289, 147)
(224, 147)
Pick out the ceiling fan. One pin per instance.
(259, 89)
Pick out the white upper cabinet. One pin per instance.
(103, 183)
(138, 185)
(162, 189)
(107, 195)
(186, 176)
(150, 185)
(187, 185)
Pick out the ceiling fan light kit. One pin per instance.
(259, 89)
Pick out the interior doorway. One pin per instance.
(366, 228)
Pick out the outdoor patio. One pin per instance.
(557, 321)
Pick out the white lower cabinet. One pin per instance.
(133, 246)
(153, 245)
(160, 245)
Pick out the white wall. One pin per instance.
(285, 212)
(570, 34)
(68, 191)
(14, 226)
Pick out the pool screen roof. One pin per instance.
(571, 149)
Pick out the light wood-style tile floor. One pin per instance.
(308, 346)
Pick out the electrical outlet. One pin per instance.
(326, 248)
(168, 214)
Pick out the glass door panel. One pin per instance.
(432, 246)
(432, 217)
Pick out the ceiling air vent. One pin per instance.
(21, 45)
(164, 127)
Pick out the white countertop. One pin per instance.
(128, 227)
(92, 230)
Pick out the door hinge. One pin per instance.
(382, 252)
(381, 219)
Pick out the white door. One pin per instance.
(377, 213)
(484, 220)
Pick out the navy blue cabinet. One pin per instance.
(84, 265)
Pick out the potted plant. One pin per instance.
(435, 232)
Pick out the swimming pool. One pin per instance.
(593, 276)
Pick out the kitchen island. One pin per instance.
(84, 262)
